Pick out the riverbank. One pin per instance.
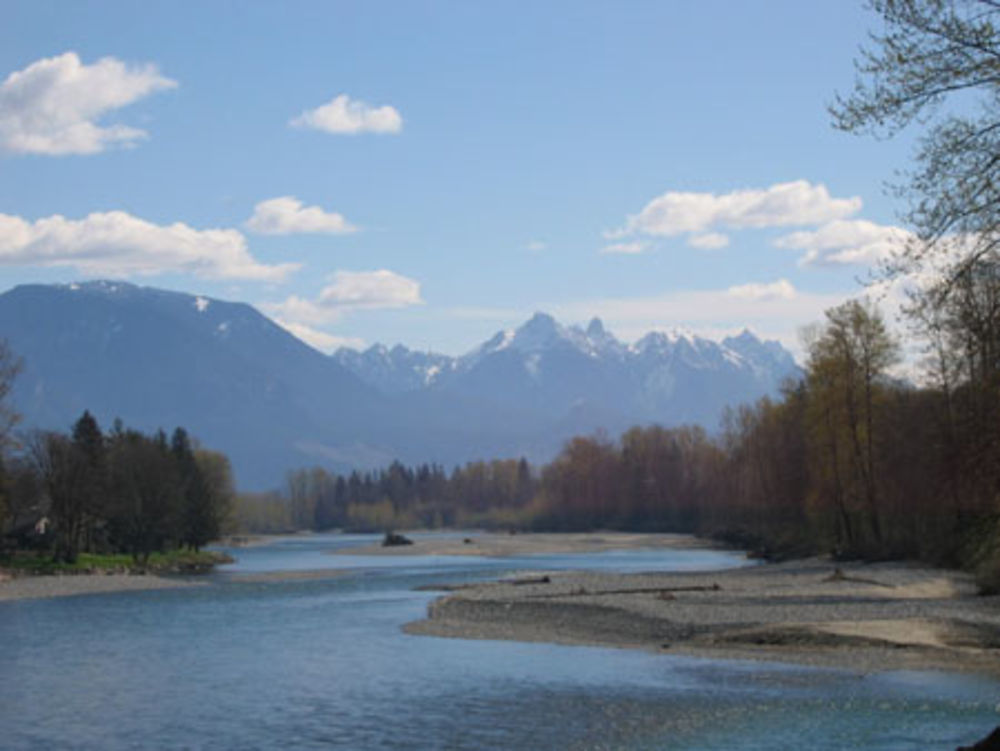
(866, 617)
(28, 576)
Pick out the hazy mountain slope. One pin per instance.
(160, 359)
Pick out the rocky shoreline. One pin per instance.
(866, 617)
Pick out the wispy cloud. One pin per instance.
(54, 105)
(321, 340)
(784, 204)
(286, 215)
(703, 216)
(847, 242)
(709, 241)
(536, 246)
(370, 289)
(348, 291)
(626, 248)
(345, 116)
(118, 244)
(781, 289)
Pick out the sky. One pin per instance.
(427, 173)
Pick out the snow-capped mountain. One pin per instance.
(397, 370)
(554, 369)
(245, 386)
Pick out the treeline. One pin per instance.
(481, 494)
(120, 492)
(848, 460)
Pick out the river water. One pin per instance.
(321, 663)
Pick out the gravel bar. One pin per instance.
(862, 616)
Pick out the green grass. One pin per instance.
(172, 562)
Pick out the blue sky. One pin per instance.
(428, 173)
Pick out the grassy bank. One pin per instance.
(172, 562)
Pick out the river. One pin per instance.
(256, 662)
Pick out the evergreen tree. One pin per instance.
(92, 481)
(197, 524)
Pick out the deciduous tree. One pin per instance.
(933, 53)
(847, 365)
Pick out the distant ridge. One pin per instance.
(246, 386)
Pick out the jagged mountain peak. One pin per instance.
(746, 335)
(667, 340)
(759, 352)
(540, 322)
(539, 331)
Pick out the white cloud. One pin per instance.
(298, 310)
(780, 290)
(348, 291)
(53, 106)
(536, 246)
(342, 115)
(321, 340)
(370, 289)
(629, 248)
(847, 242)
(118, 244)
(286, 215)
(781, 205)
(709, 241)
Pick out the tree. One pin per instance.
(932, 52)
(205, 491)
(10, 366)
(92, 479)
(59, 464)
(145, 493)
(220, 495)
(847, 363)
(965, 328)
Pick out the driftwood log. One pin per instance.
(581, 592)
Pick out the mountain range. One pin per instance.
(245, 386)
